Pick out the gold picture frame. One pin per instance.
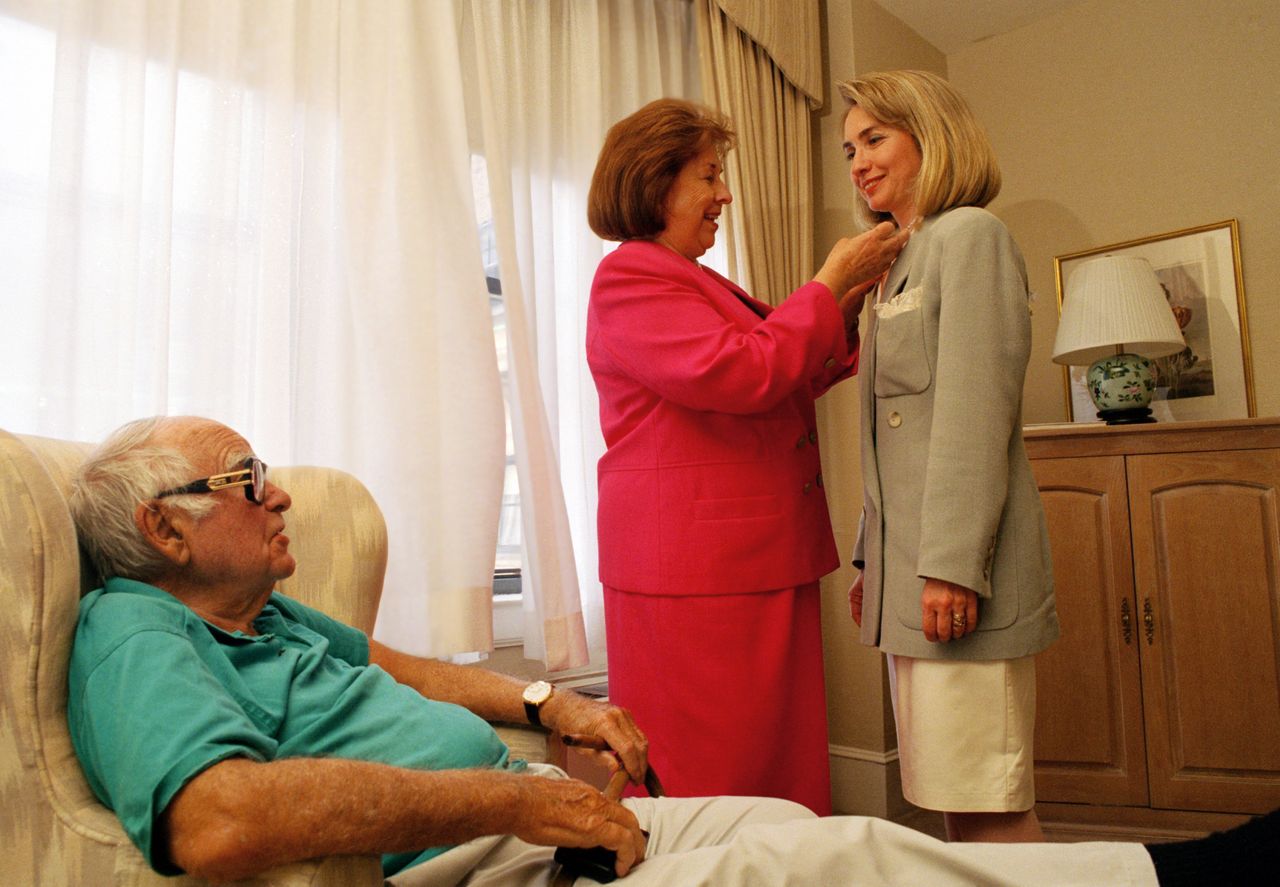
(1199, 269)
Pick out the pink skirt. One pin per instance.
(728, 688)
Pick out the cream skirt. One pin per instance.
(965, 733)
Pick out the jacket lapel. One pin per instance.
(894, 283)
(898, 272)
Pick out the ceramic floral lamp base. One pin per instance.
(1121, 386)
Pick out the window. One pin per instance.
(507, 560)
(109, 204)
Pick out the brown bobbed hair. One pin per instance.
(641, 157)
(958, 166)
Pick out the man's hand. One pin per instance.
(303, 808)
(569, 712)
(570, 813)
(497, 697)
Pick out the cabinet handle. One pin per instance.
(1126, 623)
(1148, 619)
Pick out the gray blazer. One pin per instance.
(948, 489)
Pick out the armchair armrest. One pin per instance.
(332, 871)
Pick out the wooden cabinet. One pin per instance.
(1163, 693)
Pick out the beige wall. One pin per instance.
(1120, 119)
(1113, 119)
(859, 36)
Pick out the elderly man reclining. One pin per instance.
(233, 729)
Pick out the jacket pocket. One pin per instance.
(902, 362)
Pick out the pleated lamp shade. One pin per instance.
(1115, 301)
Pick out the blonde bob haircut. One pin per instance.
(957, 164)
(641, 157)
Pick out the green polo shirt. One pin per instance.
(156, 695)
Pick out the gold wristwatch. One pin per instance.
(535, 696)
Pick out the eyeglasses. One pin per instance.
(252, 476)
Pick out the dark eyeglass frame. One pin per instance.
(252, 475)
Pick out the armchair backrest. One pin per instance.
(339, 538)
(52, 827)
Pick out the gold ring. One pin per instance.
(957, 620)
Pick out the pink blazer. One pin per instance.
(711, 482)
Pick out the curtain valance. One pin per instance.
(791, 33)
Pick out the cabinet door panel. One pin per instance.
(1089, 733)
(1206, 549)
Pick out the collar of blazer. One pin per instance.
(897, 280)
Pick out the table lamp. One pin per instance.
(1115, 316)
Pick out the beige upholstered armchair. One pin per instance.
(53, 831)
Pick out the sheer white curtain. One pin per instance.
(261, 212)
(550, 77)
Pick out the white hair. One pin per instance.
(124, 470)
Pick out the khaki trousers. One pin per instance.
(722, 842)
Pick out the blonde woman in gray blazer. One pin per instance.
(955, 579)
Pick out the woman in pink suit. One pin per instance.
(713, 524)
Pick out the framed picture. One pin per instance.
(1199, 269)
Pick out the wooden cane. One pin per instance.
(617, 782)
(573, 859)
